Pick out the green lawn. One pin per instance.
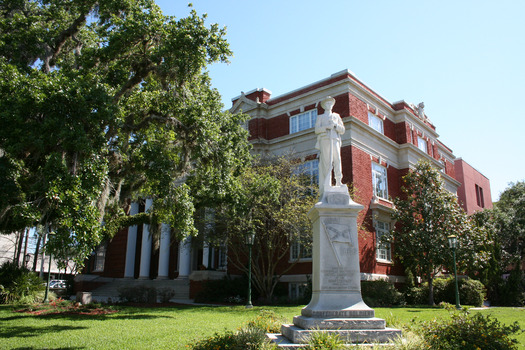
(170, 327)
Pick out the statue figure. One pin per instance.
(329, 127)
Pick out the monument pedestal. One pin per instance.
(337, 305)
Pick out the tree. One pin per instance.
(425, 216)
(106, 101)
(273, 201)
(510, 221)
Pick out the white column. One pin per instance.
(164, 252)
(185, 258)
(145, 253)
(131, 245)
(205, 255)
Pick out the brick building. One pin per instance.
(474, 191)
(383, 140)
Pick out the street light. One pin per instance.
(453, 242)
(250, 238)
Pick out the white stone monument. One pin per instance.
(336, 305)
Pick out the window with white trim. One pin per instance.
(299, 251)
(303, 121)
(375, 122)
(383, 250)
(379, 181)
(310, 169)
(422, 144)
(297, 290)
(100, 258)
(222, 263)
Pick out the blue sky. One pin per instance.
(464, 59)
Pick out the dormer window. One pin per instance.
(303, 121)
(375, 122)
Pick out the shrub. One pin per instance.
(325, 341)
(227, 289)
(471, 292)
(165, 294)
(381, 293)
(246, 338)
(18, 283)
(267, 321)
(509, 291)
(465, 331)
(138, 294)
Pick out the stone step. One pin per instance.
(351, 336)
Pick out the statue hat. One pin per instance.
(328, 99)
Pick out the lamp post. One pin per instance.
(453, 242)
(250, 238)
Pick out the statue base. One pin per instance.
(336, 305)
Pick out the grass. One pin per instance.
(171, 327)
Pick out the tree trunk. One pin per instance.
(37, 251)
(24, 259)
(18, 248)
(430, 289)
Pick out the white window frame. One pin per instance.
(383, 250)
(309, 168)
(303, 121)
(375, 122)
(296, 290)
(422, 144)
(298, 254)
(379, 180)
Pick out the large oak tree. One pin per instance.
(106, 101)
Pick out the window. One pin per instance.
(222, 253)
(100, 257)
(303, 121)
(383, 251)
(375, 122)
(479, 197)
(310, 169)
(297, 290)
(379, 181)
(300, 251)
(422, 144)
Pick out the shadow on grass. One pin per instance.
(26, 332)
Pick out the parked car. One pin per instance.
(57, 284)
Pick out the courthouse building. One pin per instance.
(382, 142)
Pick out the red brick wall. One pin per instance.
(114, 264)
(358, 109)
(469, 178)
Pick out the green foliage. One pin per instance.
(272, 201)
(18, 284)
(245, 338)
(381, 293)
(471, 292)
(224, 290)
(250, 336)
(323, 340)
(267, 321)
(465, 331)
(506, 225)
(510, 221)
(106, 101)
(426, 215)
(138, 294)
(509, 291)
